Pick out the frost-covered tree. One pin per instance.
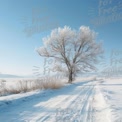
(74, 51)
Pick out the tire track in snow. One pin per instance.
(47, 116)
(102, 112)
(50, 104)
(84, 89)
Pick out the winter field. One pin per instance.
(86, 100)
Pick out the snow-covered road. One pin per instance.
(78, 102)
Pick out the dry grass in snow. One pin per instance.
(29, 85)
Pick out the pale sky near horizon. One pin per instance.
(24, 23)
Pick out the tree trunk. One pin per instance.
(70, 77)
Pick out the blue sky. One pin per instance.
(17, 48)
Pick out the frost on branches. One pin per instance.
(74, 51)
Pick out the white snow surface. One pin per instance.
(83, 101)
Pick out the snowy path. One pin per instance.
(79, 102)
